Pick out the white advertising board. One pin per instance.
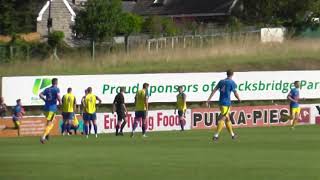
(264, 85)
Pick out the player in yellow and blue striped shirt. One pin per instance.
(68, 108)
(90, 111)
(182, 107)
(141, 109)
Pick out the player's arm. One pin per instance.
(114, 105)
(100, 101)
(62, 100)
(75, 104)
(124, 104)
(59, 99)
(175, 110)
(23, 112)
(212, 94)
(42, 96)
(83, 102)
(146, 101)
(124, 107)
(235, 92)
(289, 97)
(237, 95)
(5, 108)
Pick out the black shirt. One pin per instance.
(119, 102)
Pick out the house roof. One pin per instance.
(180, 8)
(45, 7)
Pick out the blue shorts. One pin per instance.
(89, 117)
(141, 114)
(15, 118)
(67, 115)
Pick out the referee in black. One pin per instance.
(120, 108)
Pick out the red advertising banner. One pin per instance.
(247, 116)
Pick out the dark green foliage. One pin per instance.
(55, 38)
(130, 23)
(99, 20)
(19, 16)
(296, 15)
(157, 26)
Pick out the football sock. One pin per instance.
(63, 127)
(135, 124)
(219, 128)
(123, 125)
(47, 130)
(90, 127)
(182, 124)
(229, 127)
(143, 129)
(95, 129)
(117, 129)
(86, 129)
(68, 128)
(294, 122)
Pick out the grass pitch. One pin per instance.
(275, 153)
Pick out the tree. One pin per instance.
(295, 15)
(19, 16)
(7, 23)
(152, 25)
(130, 23)
(156, 26)
(98, 21)
(169, 27)
(54, 40)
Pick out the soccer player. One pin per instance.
(3, 107)
(50, 96)
(225, 87)
(141, 109)
(119, 106)
(83, 110)
(293, 97)
(68, 108)
(181, 106)
(75, 124)
(17, 115)
(90, 111)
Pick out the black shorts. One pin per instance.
(141, 114)
(121, 116)
(181, 113)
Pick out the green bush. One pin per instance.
(55, 38)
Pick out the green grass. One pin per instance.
(260, 153)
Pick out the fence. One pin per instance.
(26, 51)
(195, 41)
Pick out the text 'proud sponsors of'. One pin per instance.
(264, 85)
(251, 116)
(161, 120)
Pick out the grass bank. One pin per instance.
(245, 55)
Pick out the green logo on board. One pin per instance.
(40, 84)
